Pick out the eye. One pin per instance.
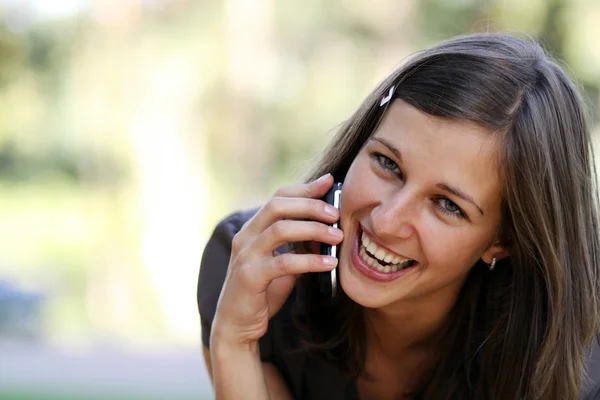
(444, 204)
(386, 163)
(449, 207)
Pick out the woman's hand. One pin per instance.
(258, 280)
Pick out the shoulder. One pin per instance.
(213, 266)
(229, 226)
(218, 247)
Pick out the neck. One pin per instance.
(406, 327)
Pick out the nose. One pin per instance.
(395, 216)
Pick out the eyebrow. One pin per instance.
(460, 194)
(443, 186)
(390, 146)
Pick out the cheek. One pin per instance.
(359, 185)
(451, 250)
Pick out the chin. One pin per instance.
(363, 293)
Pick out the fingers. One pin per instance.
(270, 227)
(295, 264)
(257, 276)
(286, 231)
(315, 189)
(283, 207)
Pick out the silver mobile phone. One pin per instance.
(328, 281)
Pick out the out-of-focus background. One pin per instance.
(128, 128)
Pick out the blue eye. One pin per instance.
(386, 163)
(447, 206)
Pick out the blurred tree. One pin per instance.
(552, 34)
(12, 55)
(139, 93)
(35, 141)
(549, 22)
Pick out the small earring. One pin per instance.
(493, 264)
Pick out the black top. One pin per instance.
(307, 377)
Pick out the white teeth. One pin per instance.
(373, 263)
(371, 248)
(365, 240)
(379, 253)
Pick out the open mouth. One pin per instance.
(377, 262)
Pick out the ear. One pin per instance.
(497, 251)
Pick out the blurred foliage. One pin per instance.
(11, 56)
(129, 129)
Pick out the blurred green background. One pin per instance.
(129, 128)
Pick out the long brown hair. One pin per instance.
(520, 331)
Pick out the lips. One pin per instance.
(371, 267)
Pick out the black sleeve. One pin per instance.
(213, 268)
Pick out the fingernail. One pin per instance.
(321, 179)
(330, 260)
(336, 232)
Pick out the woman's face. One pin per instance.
(425, 192)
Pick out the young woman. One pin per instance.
(469, 245)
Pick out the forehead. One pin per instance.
(460, 153)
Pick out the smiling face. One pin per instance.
(426, 192)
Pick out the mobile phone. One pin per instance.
(328, 281)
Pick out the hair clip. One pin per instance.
(387, 98)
